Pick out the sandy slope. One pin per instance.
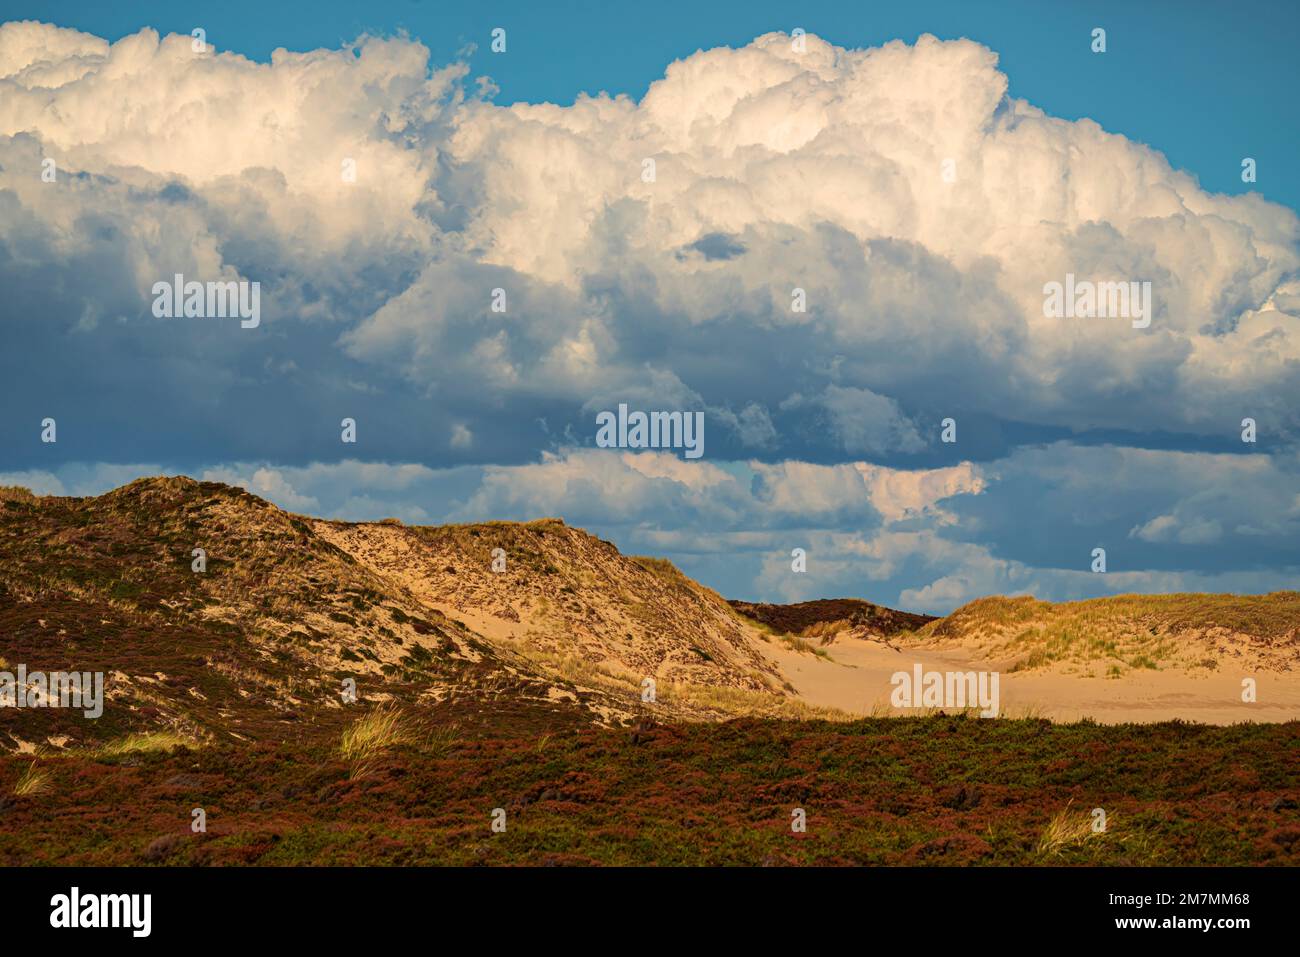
(857, 680)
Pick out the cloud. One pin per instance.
(78, 478)
(1167, 528)
(863, 421)
(1198, 511)
(461, 437)
(267, 483)
(773, 170)
(824, 171)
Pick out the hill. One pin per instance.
(830, 618)
(1182, 631)
(560, 593)
(259, 644)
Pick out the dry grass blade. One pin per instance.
(33, 781)
(1066, 829)
(442, 739)
(139, 743)
(371, 735)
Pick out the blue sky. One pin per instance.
(919, 191)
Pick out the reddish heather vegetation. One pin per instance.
(935, 790)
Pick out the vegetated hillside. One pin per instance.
(1129, 631)
(831, 618)
(261, 643)
(565, 598)
(258, 645)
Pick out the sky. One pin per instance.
(829, 245)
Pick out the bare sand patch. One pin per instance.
(857, 677)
